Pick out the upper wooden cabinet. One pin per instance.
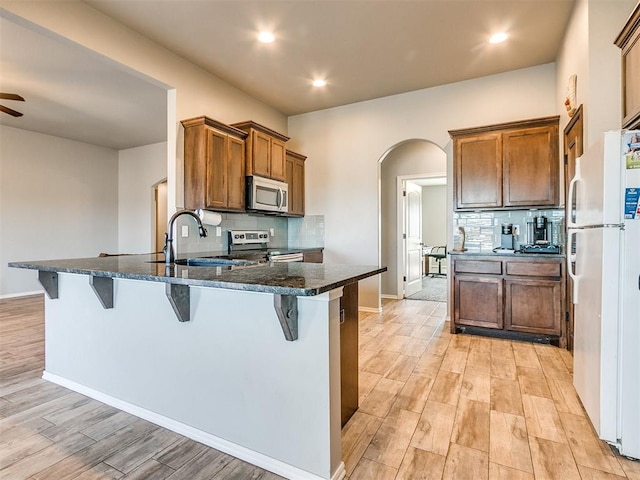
(265, 151)
(629, 42)
(214, 165)
(509, 165)
(295, 180)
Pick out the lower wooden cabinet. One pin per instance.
(478, 301)
(514, 294)
(312, 256)
(349, 351)
(533, 306)
(348, 343)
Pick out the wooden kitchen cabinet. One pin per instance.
(629, 41)
(523, 295)
(510, 165)
(265, 151)
(295, 180)
(313, 256)
(478, 301)
(214, 165)
(349, 351)
(478, 170)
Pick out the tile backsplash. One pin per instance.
(303, 232)
(483, 229)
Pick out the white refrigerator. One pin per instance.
(603, 259)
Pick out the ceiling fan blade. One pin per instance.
(10, 111)
(11, 96)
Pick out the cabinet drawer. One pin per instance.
(534, 269)
(478, 266)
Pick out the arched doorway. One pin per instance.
(407, 161)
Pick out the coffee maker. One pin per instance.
(506, 237)
(539, 237)
(541, 233)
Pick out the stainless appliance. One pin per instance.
(253, 244)
(506, 238)
(266, 195)
(604, 234)
(539, 235)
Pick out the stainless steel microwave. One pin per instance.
(266, 195)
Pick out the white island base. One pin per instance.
(227, 378)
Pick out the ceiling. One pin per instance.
(364, 49)
(74, 93)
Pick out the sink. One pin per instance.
(213, 262)
(210, 262)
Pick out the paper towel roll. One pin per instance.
(210, 218)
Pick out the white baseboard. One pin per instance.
(21, 294)
(391, 297)
(230, 448)
(370, 309)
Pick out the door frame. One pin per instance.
(570, 138)
(400, 252)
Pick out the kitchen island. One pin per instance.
(245, 359)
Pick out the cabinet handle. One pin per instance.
(342, 316)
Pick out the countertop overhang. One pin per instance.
(294, 279)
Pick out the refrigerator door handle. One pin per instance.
(577, 177)
(570, 261)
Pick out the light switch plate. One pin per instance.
(185, 231)
(218, 231)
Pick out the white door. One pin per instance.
(413, 239)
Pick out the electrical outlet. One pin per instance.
(218, 231)
(272, 232)
(185, 231)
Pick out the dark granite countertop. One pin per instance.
(300, 279)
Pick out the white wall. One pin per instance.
(344, 146)
(58, 199)
(139, 169)
(589, 52)
(434, 215)
(419, 158)
(196, 91)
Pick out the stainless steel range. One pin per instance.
(256, 242)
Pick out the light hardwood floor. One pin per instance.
(433, 406)
(441, 406)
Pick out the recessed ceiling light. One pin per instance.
(266, 37)
(319, 82)
(498, 37)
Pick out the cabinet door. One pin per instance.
(277, 160)
(217, 167)
(533, 306)
(478, 171)
(478, 301)
(235, 173)
(261, 151)
(298, 187)
(530, 163)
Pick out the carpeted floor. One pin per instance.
(433, 289)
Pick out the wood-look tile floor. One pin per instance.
(440, 406)
(433, 406)
(48, 432)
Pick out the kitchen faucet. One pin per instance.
(169, 249)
